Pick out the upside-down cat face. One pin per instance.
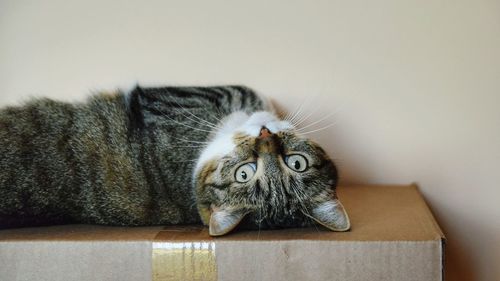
(257, 171)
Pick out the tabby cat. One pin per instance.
(162, 156)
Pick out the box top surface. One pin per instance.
(377, 213)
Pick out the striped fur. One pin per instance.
(276, 197)
(117, 159)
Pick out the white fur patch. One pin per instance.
(222, 143)
(264, 119)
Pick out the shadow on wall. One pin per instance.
(458, 261)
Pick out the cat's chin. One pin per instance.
(253, 222)
(327, 215)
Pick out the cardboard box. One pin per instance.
(393, 237)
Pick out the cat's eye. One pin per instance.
(245, 172)
(296, 162)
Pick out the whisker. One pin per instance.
(339, 108)
(281, 113)
(220, 113)
(291, 113)
(304, 118)
(185, 125)
(297, 113)
(313, 222)
(320, 129)
(309, 216)
(300, 195)
(205, 122)
(318, 121)
(216, 116)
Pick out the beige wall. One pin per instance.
(415, 84)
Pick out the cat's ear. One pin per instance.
(224, 220)
(332, 215)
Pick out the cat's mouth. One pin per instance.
(330, 214)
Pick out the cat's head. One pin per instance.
(257, 171)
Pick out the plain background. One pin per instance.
(414, 85)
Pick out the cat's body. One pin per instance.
(156, 156)
(118, 159)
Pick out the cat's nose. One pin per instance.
(264, 133)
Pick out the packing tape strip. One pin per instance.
(176, 261)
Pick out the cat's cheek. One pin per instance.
(219, 194)
(215, 196)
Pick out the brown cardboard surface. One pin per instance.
(377, 213)
(329, 260)
(80, 233)
(49, 260)
(76, 252)
(393, 237)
